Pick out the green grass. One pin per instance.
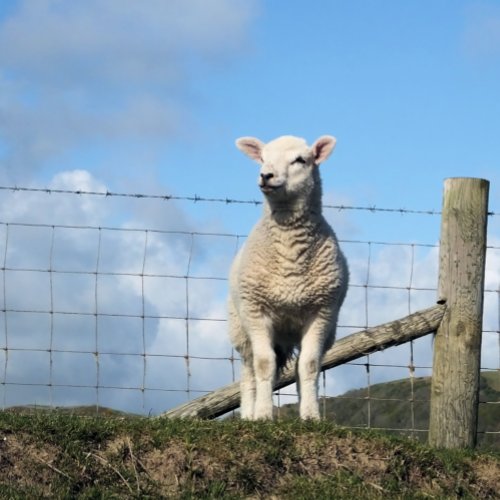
(391, 408)
(56, 455)
(493, 379)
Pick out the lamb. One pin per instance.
(289, 280)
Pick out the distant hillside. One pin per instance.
(389, 407)
(77, 411)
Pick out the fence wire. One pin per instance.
(195, 198)
(134, 319)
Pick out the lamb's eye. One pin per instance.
(299, 159)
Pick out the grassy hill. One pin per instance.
(71, 453)
(56, 455)
(390, 407)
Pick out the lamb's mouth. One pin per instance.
(269, 189)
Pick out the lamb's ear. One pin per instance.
(322, 148)
(251, 146)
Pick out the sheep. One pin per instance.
(289, 280)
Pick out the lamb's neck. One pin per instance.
(294, 214)
(303, 207)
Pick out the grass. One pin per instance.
(56, 455)
(391, 408)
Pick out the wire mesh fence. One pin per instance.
(133, 318)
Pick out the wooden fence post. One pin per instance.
(457, 345)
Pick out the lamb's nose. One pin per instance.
(266, 177)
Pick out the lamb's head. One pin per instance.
(289, 167)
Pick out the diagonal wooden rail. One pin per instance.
(349, 348)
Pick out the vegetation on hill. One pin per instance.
(391, 406)
(56, 455)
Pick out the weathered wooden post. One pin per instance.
(457, 345)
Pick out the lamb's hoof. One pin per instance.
(263, 416)
(310, 416)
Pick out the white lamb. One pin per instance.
(290, 278)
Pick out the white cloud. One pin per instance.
(76, 74)
(122, 41)
(23, 206)
(118, 294)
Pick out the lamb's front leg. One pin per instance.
(309, 365)
(264, 365)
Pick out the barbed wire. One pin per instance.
(196, 198)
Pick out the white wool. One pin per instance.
(290, 278)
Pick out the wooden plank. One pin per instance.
(457, 346)
(349, 348)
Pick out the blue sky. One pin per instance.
(150, 96)
(154, 99)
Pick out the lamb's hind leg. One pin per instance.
(309, 366)
(247, 388)
(242, 344)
